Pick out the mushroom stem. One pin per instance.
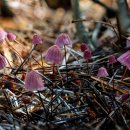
(123, 76)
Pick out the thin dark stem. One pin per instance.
(53, 73)
(119, 30)
(124, 74)
(42, 60)
(10, 106)
(66, 65)
(83, 20)
(113, 78)
(87, 67)
(113, 85)
(61, 78)
(42, 105)
(27, 113)
(13, 49)
(24, 60)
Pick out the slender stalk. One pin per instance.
(87, 67)
(61, 78)
(42, 105)
(113, 85)
(10, 106)
(102, 84)
(113, 78)
(66, 65)
(53, 72)
(28, 119)
(42, 64)
(24, 60)
(13, 49)
(124, 74)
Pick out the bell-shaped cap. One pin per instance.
(63, 39)
(11, 37)
(124, 59)
(87, 54)
(112, 59)
(54, 55)
(102, 72)
(37, 39)
(84, 47)
(33, 81)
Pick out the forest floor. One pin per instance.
(75, 96)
